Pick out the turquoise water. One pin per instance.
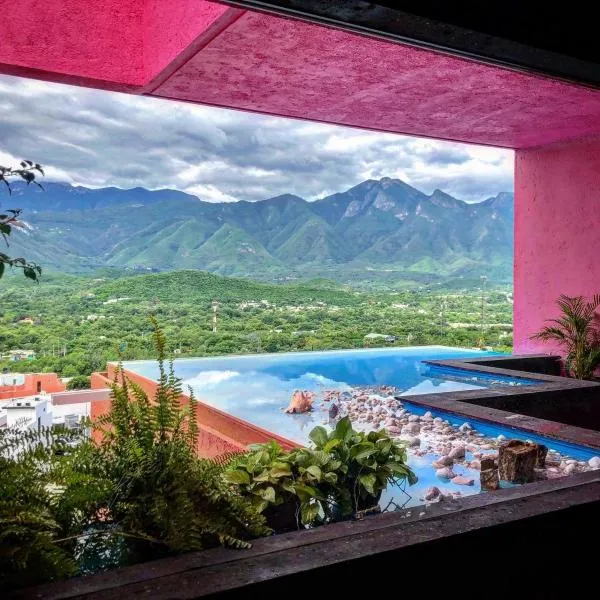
(257, 388)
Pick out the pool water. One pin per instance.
(258, 388)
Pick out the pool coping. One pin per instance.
(458, 404)
(211, 573)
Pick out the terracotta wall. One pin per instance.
(48, 382)
(219, 432)
(557, 232)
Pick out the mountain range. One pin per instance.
(378, 229)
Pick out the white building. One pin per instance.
(31, 412)
(12, 379)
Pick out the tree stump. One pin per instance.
(488, 462)
(489, 479)
(517, 461)
(542, 452)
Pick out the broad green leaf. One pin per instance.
(280, 469)
(314, 471)
(309, 512)
(343, 429)
(267, 494)
(331, 445)
(319, 436)
(306, 492)
(368, 482)
(238, 477)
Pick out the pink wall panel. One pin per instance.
(99, 40)
(169, 27)
(285, 67)
(557, 232)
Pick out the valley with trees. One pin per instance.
(379, 264)
(75, 323)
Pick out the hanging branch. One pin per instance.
(9, 219)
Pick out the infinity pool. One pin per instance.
(258, 388)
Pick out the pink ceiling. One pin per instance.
(205, 52)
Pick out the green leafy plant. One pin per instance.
(163, 498)
(33, 548)
(577, 330)
(345, 471)
(369, 462)
(285, 486)
(11, 217)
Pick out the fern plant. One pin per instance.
(577, 330)
(163, 498)
(32, 545)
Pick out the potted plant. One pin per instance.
(369, 462)
(286, 487)
(578, 331)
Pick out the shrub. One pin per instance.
(79, 382)
(345, 471)
(285, 486)
(30, 521)
(163, 498)
(369, 462)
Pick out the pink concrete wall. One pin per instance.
(557, 232)
(169, 27)
(100, 40)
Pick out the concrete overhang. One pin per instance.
(211, 53)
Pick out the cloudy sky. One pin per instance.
(97, 138)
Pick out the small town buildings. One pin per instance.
(15, 385)
(18, 355)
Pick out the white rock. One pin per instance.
(465, 427)
(412, 429)
(569, 469)
(438, 420)
(432, 493)
(413, 419)
(501, 438)
(428, 416)
(594, 462)
(441, 462)
(461, 480)
(413, 442)
(457, 453)
(445, 473)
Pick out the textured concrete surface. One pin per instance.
(557, 233)
(206, 52)
(472, 534)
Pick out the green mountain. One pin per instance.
(374, 231)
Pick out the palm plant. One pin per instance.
(578, 331)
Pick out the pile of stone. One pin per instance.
(496, 458)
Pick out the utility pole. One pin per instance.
(215, 307)
(443, 316)
(483, 282)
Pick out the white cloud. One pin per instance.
(96, 138)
